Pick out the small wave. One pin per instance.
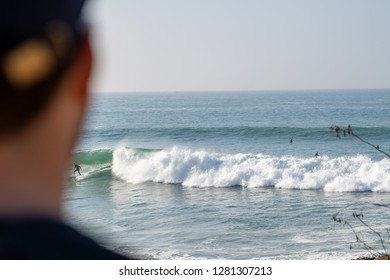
(239, 131)
(94, 172)
(205, 169)
(95, 164)
(94, 157)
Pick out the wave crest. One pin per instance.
(204, 169)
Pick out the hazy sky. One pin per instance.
(200, 45)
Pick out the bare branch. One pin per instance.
(359, 240)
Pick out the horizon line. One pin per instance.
(237, 90)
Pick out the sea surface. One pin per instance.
(233, 175)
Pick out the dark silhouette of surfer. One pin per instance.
(291, 141)
(316, 155)
(337, 132)
(76, 168)
(349, 129)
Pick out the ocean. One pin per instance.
(233, 175)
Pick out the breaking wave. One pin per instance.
(204, 169)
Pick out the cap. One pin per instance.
(36, 37)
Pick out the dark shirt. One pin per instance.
(44, 239)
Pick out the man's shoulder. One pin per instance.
(48, 239)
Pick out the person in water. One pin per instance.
(76, 168)
(349, 129)
(337, 132)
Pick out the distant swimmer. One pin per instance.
(377, 147)
(337, 132)
(291, 141)
(76, 168)
(316, 155)
(349, 129)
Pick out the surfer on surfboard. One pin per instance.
(76, 168)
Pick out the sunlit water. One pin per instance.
(214, 175)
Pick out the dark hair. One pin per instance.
(38, 41)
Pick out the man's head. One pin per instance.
(45, 63)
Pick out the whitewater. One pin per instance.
(202, 169)
(215, 176)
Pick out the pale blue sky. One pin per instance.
(201, 45)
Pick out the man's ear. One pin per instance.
(73, 92)
(84, 66)
(76, 78)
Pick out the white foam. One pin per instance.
(203, 169)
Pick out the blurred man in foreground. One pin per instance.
(45, 63)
